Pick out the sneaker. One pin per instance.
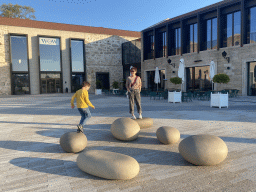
(140, 116)
(80, 128)
(133, 117)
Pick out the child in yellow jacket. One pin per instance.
(83, 103)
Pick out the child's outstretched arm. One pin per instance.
(72, 101)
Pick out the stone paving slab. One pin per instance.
(31, 158)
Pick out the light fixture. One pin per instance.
(224, 54)
(170, 63)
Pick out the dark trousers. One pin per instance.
(134, 95)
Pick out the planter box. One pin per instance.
(174, 97)
(98, 91)
(219, 100)
(115, 91)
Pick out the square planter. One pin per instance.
(174, 97)
(219, 100)
(98, 91)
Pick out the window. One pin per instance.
(50, 65)
(19, 65)
(77, 56)
(49, 54)
(177, 41)
(193, 38)
(161, 44)
(251, 35)
(232, 32)
(211, 34)
(19, 53)
(77, 64)
(149, 45)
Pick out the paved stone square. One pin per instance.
(31, 158)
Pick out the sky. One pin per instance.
(131, 15)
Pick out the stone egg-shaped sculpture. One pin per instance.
(73, 142)
(145, 122)
(125, 129)
(203, 149)
(108, 165)
(168, 135)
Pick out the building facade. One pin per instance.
(131, 57)
(224, 33)
(41, 57)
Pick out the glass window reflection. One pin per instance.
(252, 21)
(77, 56)
(49, 54)
(237, 28)
(214, 33)
(19, 54)
(229, 30)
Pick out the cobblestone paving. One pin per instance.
(31, 158)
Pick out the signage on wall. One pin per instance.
(48, 41)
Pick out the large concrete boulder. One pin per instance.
(203, 149)
(73, 142)
(145, 122)
(168, 135)
(125, 129)
(108, 165)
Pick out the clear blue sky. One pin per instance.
(132, 15)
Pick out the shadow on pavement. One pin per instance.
(52, 166)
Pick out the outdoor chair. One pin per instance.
(153, 94)
(187, 96)
(105, 91)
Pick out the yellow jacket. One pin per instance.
(82, 99)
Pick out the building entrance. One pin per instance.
(251, 90)
(50, 83)
(198, 78)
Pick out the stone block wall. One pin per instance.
(103, 53)
(5, 82)
(239, 58)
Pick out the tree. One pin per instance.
(17, 11)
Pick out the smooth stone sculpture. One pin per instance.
(108, 165)
(73, 142)
(125, 129)
(203, 149)
(168, 135)
(145, 122)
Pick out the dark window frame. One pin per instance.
(18, 72)
(54, 72)
(161, 42)
(149, 45)
(70, 59)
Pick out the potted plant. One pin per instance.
(220, 100)
(98, 90)
(221, 78)
(175, 96)
(115, 86)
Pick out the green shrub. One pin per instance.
(176, 80)
(115, 85)
(221, 78)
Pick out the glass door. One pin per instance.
(251, 91)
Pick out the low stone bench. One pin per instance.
(145, 122)
(73, 142)
(108, 165)
(168, 135)
(125, 129)
(203, 149)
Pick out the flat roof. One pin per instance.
(66, 27)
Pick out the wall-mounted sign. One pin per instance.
(48, 41)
